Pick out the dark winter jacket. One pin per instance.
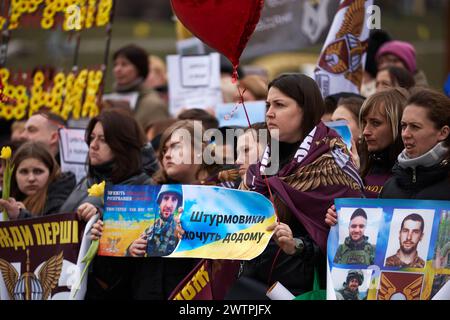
(150, 163)
(427, 183)
(380, 171)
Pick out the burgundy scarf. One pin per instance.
(320, 171)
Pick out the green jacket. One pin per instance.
(346, 294)
(351, 252)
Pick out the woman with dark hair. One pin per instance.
(423, 167)
(38, 187)
(314, 167)
(181, 163)
(392, 76)
(115, 143)
(131, 68)
(348, 109)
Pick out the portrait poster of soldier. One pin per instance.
(400, 286)
(409, 238)
(358, 231)
(161, 237)
(351, 284)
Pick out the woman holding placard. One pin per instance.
(313, 169)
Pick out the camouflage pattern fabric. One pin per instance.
(394, 261)
(355, 252)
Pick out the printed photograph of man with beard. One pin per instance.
(410, 235)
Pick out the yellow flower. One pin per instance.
(97, 190)
(6, 153)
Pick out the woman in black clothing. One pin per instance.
(115, 142)
(381, 141)
(423, 168)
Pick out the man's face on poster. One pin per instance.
(410, 236)
(169, 203)
(353, 284)
(357, 228)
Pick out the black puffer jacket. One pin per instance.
(57, 193)
(427, 183)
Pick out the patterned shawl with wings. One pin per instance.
(320, 171)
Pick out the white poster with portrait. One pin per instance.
(402, 246)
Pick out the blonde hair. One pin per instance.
(158, 67)
(391, 103)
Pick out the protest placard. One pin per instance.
(218, 223)
(388, 249)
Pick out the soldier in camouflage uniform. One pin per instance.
(356, 248)
(161, 238)
(350, 288)
(411, 233)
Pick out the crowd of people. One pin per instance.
(400, 149)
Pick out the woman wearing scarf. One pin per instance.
(423, 168)
(314, 168)
(131, 68)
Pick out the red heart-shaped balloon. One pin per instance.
(224, 25)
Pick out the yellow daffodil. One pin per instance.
(97, 190)
(7, 174)
(6, 153)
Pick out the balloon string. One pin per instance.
(235, 76)
(241, 100)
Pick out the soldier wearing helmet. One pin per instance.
(356, 248)
(160, 237)
(350, 288)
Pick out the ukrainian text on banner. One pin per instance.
(341, 63)
(389, 249)
(39, 257)
(218, 223)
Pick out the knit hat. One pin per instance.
(137, 56)
(403, 50)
